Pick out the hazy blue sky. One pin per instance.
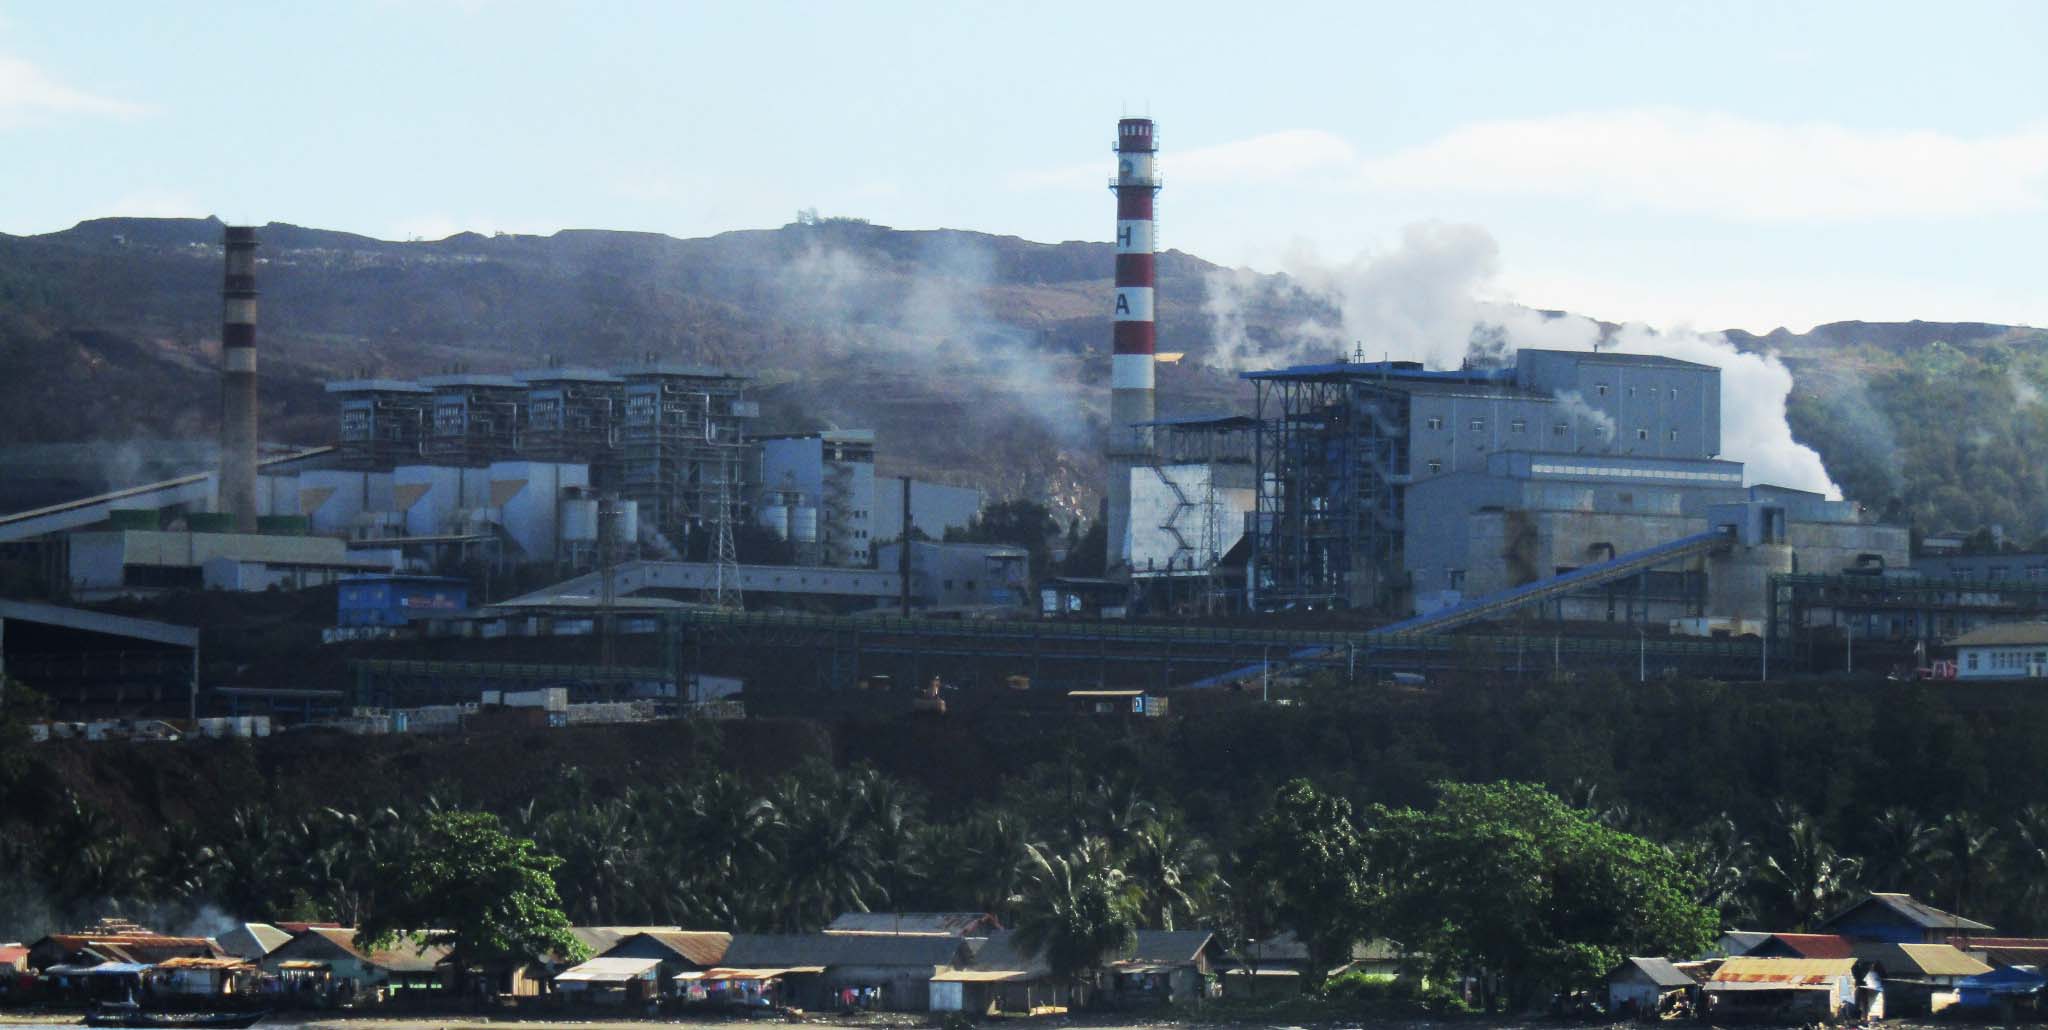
(1714, 164)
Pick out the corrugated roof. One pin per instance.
(1921, 960)
(1742, 942)
(1660, 971)
(1782, 972)
(1172, 946)
(697, 947)
(951, 924)
(2012, 634)
(1002, 951)
(769, 950)
(407, 956)
(1816, 945)
(195, 962)
(602, 938)
(984, 976)
(608, 970)
(1912, 910)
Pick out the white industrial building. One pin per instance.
(2011, 650)
(819, 492)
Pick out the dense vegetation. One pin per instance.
(1608, 818)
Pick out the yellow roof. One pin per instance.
(981, 976)
(759, 974)
(1924, 959)
(1786, 972)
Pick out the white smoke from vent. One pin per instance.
(1576, 409)
(1433, 298)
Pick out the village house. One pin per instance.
(324, 962)
(612, 981)
(839, 971)
(1920, 979)
(1000, 978)
(1786, 989)
(203, 977)
(680, 957)
(1646, 986)
(1163, 967)
(2007, 650)
(107, 961)
(1277, 965)
(15, 978)
(1900, 919)
(252, 941)
(532, 979)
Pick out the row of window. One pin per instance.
(1628, 473)
(2006, 659)
(1601, 389)
(1478, 425)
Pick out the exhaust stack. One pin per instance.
(1131, 400)
(237, 478)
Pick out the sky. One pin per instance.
(1723, 165)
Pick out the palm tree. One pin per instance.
(1966, 849)
(1077, 909)
(1171, 872)
(2028, 852)
(1805, 876)
(1724, 857)
(1901, 847)
(827, 864)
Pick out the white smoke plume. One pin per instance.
(1576, 408)
(1433, 298)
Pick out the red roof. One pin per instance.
(13, 956)
(1975, 942)
(1817, 945)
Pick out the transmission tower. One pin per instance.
(725, 588)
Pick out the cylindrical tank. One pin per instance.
(627, 527)
(803, 524)
(579, 520)
(1739, 582)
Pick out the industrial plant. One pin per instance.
(1369, 518)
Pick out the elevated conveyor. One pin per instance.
(1494, 606)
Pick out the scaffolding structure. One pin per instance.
(1193, 461)
(572, 416)
(383, 422)
(476, 419)
(678, 439)
(1332, 458)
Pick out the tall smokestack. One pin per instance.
(1130, 373)
(238, 378)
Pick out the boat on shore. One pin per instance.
(133, 1015)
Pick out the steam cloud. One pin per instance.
(1427, 299)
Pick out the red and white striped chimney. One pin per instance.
(1131, 401)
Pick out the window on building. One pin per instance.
(1560, 429)
(1970, 660)
(1672, 436)
(1631, 391)
(1518, 425)
(1436, 421)
(949, 584)
(1642, 434)
(1435, 467)
(1600, 388)
(1457, 579)
(1478, 425)
(1674, 393)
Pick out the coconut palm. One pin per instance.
(827, 864)
(1902, 846)
(1965, 856)
(2027, 854)
(1172, 872)
(1723, 856)
(1804, 876)
(1077, 909)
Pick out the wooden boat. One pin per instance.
(132, 1015)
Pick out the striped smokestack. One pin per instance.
(238, 379)
(1130, 374)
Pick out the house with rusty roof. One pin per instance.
(2005, 951)
(675, 952)
(531, 979)
(124, 943)
(1792, 989)
(1803, 945)
(1899, 919)
(918, 924)
(326, 961)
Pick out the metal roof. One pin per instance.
(1913, 910)
(1922, 960)
(99, 622)
(2004, 634)
(408, 956)
(1756, 973)
(697, 947)
(1659, 971)
(762, 950)
(1815, 945)
(1202, 422)
(1169, 946)
(1003, 952)
(608, 970)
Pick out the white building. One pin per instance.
(818, 493)
(2011, 650)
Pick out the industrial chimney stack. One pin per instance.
(1131, 361)
(238, 379)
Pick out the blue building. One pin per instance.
(396, 600)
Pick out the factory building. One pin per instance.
(935, 508)
(818, 494)
(681, 438)
(1387, 486)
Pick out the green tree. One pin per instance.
(1077, 909)
(1507, 881)
(1803, 878)
(469, 885)
(1305, 866)
(1901, 848)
